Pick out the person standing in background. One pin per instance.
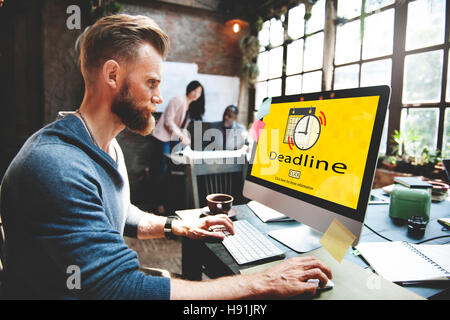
(171, 130)
(197, 106)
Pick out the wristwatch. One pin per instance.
(168, 227)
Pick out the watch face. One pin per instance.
(306, 132)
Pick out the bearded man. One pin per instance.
(65, 200)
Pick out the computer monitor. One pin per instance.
(316, 157)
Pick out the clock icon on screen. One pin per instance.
(306, 132)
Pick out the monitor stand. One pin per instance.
(301, 239)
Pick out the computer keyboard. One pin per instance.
(248, 244)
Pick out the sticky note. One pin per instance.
(337, 239)
(256, 129)
(264, 109)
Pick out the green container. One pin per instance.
(406, 202)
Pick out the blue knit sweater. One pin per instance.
(65, 202)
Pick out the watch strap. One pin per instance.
(168, 228)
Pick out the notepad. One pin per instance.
(405, 262)
(337, 239)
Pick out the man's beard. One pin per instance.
(137, 117)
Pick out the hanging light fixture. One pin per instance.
(236, 25)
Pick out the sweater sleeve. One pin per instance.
(67, 218)
(171, 111)
(134, 215)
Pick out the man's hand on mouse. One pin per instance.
(199, 229)
(290, 277)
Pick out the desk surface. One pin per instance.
(377, 218)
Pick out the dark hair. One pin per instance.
(196, 108)
(233, 109)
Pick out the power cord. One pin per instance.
(377, 233)
(431, 239)
(420, 242)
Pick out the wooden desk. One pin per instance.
(198, 256)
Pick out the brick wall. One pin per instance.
(197, 34)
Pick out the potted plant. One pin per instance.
(428, 161)
(399, 160)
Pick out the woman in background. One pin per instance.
(171, 130)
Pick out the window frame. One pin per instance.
(268, 79)
(363, 15)
(398, 55)
(361, 61)
(285, 48)
(398, 68)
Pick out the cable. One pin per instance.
(420, 242)
(446, 236)
(377, 233)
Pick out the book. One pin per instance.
(267, 214)
(400, 261)
(412, 182)
(439, 197)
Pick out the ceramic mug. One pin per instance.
(219, 203)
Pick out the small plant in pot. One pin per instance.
(400, 160)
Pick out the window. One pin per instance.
(364, 56)
(376, 42)
(425, 24)
(270, 60)
(364, 47)
(446, 143)
(291, 65)
(422, 124)
(424, 97)
(423, 77)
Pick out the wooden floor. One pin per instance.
(158, 253)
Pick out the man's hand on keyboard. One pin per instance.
(289, 278)
(200, 229)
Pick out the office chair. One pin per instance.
(216, 178)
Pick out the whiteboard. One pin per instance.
(175, 78)
(220, 91)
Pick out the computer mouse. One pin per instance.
(328, 286)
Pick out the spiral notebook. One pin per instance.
(405, 262)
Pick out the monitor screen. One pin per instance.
(322, 148)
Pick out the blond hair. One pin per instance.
(118, 37)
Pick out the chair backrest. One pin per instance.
(207, 178)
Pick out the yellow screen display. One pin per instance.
(317, 147)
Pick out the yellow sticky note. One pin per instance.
(337, 239)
